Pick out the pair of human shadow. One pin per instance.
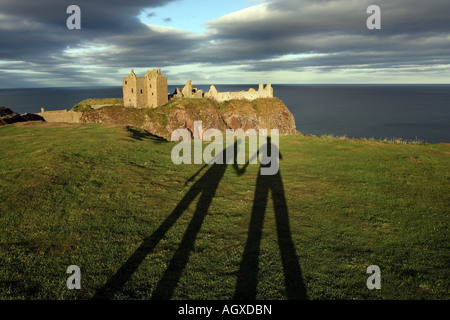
(247, 276)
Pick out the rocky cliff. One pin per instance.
(267, 113)
(8, 116)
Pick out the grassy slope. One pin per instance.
(87, 104)
(89, 194)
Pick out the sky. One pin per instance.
(224, 42)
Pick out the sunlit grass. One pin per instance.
(89, 195)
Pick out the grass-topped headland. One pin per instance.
(264, 113)
(108, 199)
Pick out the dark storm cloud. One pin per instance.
(398, 16)
(105, 15)
(36, 30)
(287, 27)
(34, 33)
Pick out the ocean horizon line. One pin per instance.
(247, 84)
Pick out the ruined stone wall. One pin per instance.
(251, 94)
(61, 116)
(162, 91)
(141, 93)
(129, 90)
(157, 91)
(190, 92)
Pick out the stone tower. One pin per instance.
(149, 91)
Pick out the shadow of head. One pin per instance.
(271, 147)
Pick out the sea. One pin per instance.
(407, 112)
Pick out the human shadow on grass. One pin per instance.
(247, 278)
(206, 187)
(142, 135)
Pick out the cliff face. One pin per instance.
(264, 113)
(267, 113)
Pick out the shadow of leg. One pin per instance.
(209, 182)
(171, 277)
(295, 288)
(130, 266)
(207, 186)
(247, 278)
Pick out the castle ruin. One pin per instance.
(251, 94)
(188, 92)
(151, 91)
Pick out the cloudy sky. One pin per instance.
(233, 41)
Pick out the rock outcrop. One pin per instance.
(268, 113)
(8, 116)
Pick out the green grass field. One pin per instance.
(109, 200)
